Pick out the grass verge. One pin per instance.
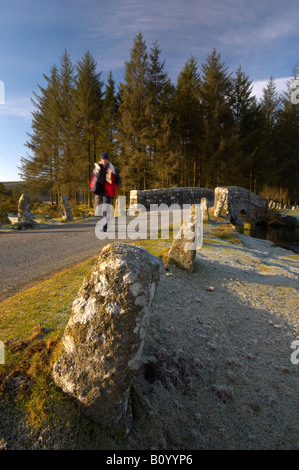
(32, 324)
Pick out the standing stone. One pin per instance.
(180, 253)
(221, 201)
(103, 340)
(65, 208)
(205, 210)
(120, 206)
(24, 211)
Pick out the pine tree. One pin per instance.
(41, 170)
(218, 123)
(109, 121)
(163, 159)
(247, 128)
(86, 117)
(69, 176)
(286, 142)
(188, 124)
(134, 112)
(270, 106)
(51, 165)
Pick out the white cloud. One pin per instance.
(182, 28)
(256, 35)
(240, 29)
(259, 85)
(16, 107)
(122, 19)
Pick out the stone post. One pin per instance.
(120, 206)
(220, 202)
(24, 211)
(205, 210)
(180, 253)
(65, 208)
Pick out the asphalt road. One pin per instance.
(29, 256)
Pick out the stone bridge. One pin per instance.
(170, 196)
(235, 200)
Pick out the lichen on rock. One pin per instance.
(103, 340)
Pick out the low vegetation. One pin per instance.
(32, 324)
(226, 232)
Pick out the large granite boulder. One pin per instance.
(104, 338)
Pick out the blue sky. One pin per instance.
(260, 35)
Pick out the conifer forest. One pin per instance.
(207, 129)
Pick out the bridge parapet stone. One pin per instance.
(169, 196)
(234, 200)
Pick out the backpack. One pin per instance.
(112, 182)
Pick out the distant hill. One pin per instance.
(12, 184)
(18, 187)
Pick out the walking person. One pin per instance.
(104, 182)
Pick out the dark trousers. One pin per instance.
(102, 208)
